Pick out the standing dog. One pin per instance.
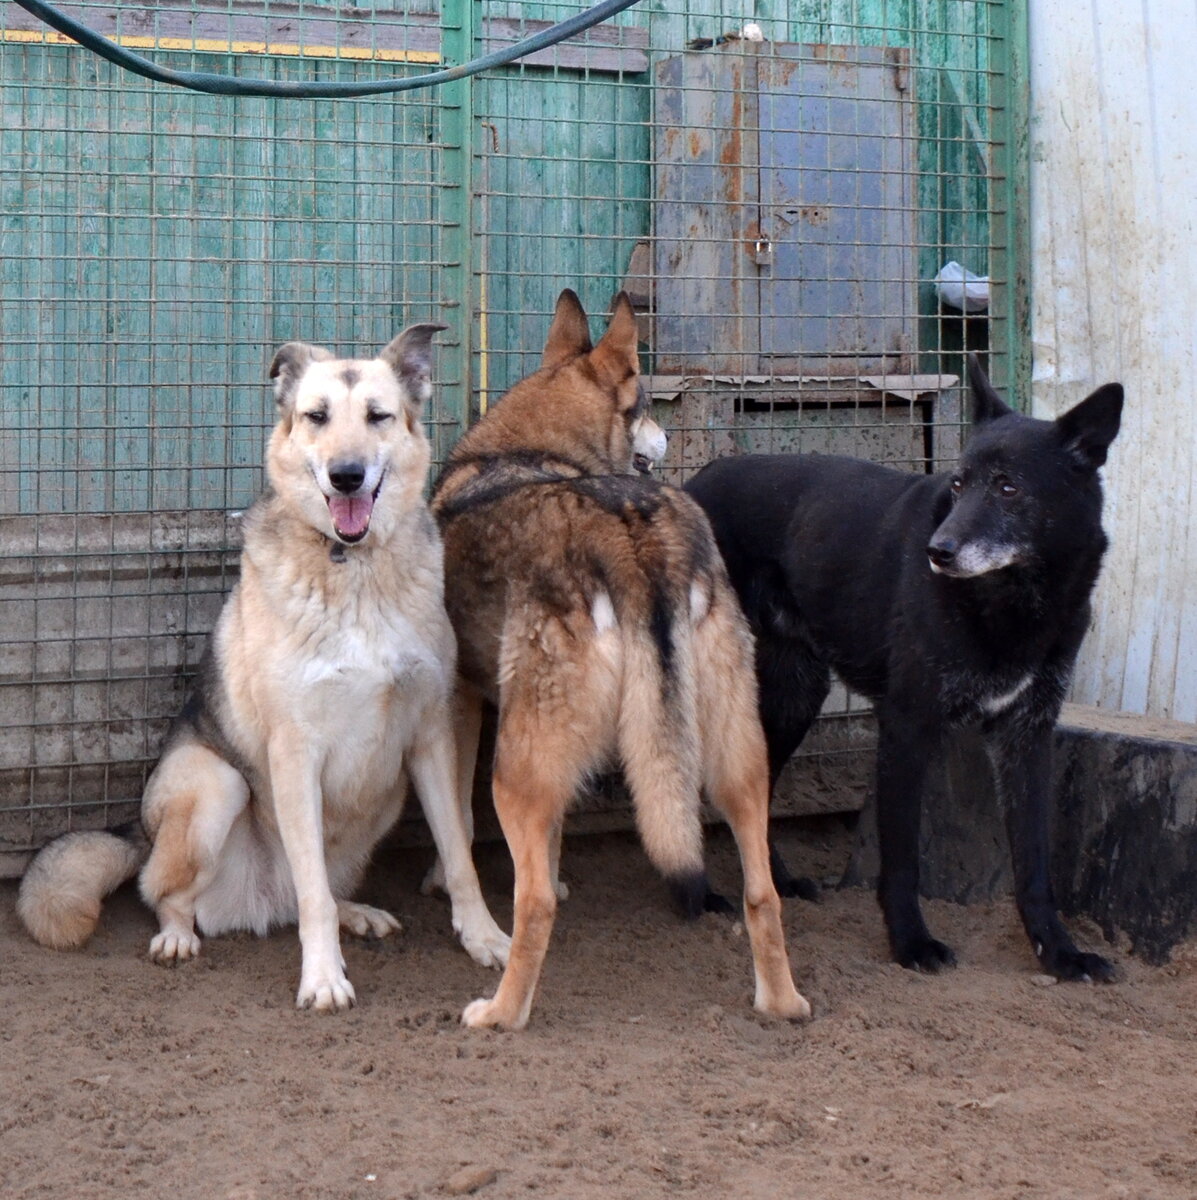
(326, 683)
(591, 607)
(948, 600)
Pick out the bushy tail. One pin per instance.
(658, 743)
(60, 895)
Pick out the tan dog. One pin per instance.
(592, 608)
(326, 683)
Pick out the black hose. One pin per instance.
(228, 85)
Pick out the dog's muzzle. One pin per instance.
(941, 556)
(648, 444)
(349, 509)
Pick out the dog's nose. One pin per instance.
(942, 554)
(347, 477)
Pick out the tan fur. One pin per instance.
(175, 866)
(593, 610)
(328, 682)
(60, 894)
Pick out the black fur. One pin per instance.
(832, 559)
(690, 893)
(499, 475)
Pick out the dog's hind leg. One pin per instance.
(527, 805)
(904, 746)
(736, 779)
(555, 837)
(1021, 763)
(556, 719)
(191, 802)
(793, 685)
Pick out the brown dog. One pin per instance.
(592, 608)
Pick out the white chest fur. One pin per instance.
(994, 705)
(353, 655)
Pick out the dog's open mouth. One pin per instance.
(642, 463)
(351, 514)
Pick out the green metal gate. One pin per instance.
(156, 245)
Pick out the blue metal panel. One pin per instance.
(785, 226)
(836, 168)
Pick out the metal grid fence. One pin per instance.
(777, 208)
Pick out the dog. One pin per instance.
(592, 610)
(326, 684)
(949, 600)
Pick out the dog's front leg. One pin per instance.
(434, 771)
(298, 808)
(1022, 766)
(467, 730)
(903, 748)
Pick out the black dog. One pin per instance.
(948, 600)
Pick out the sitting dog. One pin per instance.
(949, 600)
(592, 610)
(326, 683)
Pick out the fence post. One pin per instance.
(459, 29)
(1010, 203)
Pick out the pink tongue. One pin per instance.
(351, 514)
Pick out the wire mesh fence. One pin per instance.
(777, 186)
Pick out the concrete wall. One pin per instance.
(1114, 269)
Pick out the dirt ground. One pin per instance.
(644, 1071)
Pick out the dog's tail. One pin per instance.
(60, 895)
(658, 743)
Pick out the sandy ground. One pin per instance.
(644, 1071)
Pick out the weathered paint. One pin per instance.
(1114, 264)
(784, 223)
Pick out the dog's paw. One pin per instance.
(716, 902)
(174, 945)
(365, 920)
(798, 887)
(484, 942)
(1068, 963)
(487, 1014)
(791, 1006)
(925, 954)
(326, 992)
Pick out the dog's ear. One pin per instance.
(1087, 429)
(987, 404)
(409, 355)
(615, 358)
(569, 334)
(288, 367)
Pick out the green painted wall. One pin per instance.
(156, 245)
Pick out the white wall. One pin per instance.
(1114, 269)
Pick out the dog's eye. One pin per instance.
(317, 416)
(1005, 487)
(956, 484)
(376, 416)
